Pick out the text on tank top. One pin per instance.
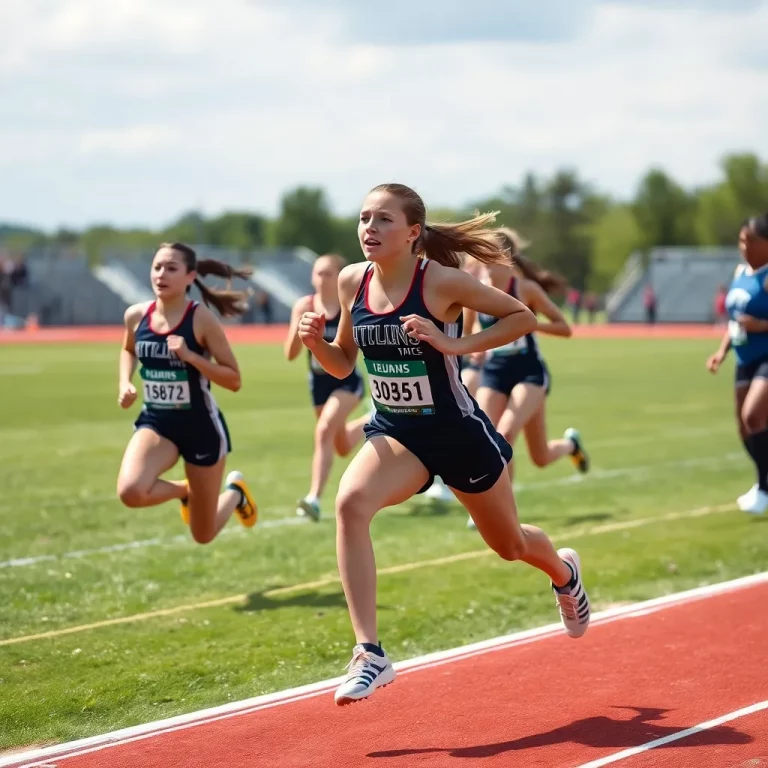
(167, 382)
(408, 377)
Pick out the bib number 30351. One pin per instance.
(165, 389)
(401, 387)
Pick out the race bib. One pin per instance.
(401, 387)
(166, 389)
(736, 333)
(513, 348)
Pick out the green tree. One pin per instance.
(615, 235)
(305, 219)
(723, 206)
(664, 211)
(239, 230)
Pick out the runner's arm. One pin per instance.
(292, 345)
(223, 369)
(538, 300)
(514, 318)
(128, 361)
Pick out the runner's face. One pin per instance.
(169, 274)
(325, 275)
(383, 230)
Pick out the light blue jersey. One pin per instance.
(748, 295)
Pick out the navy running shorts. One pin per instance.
(201, 439)
(755, 370)
(322, 386)
(467, 453)
(504, 374)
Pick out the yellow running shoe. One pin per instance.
(247, 511)
(579, 457)
(185, 506)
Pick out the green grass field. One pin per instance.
(659, 428)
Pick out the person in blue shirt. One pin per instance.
(747, 335)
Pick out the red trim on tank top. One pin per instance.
(175, 327)
(405, 298)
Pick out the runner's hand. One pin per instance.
(126, 396)
(311, 328)
(420, 328)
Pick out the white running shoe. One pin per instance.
(367, 672)
(308, 508)
(439, 491)
(757, 504)
(747, 499)
(572, 599)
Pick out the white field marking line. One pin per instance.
(181, 538)
(694, 731)
(596, 474)
(428, 661)
(327, 581)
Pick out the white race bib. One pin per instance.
(736, 333)
(166, 389)
(401, 387)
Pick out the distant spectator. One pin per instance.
(721, 313)
(6, 287)
(264, 304)
(574, 303)
(649, 302)
(19, 273)
(590, 304)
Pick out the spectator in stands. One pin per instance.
(721, 313)
(574, 303)
(264, 304)
(590, 304)
(6, 287)
(19, 273)
(649, 302)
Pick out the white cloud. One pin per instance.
(136, 110)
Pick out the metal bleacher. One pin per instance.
(64, 289)
(685, 281)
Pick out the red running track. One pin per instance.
(544, 701)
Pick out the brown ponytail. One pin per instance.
(225, 301)
(447, 244)
(513, 244)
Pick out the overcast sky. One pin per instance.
(134, 111)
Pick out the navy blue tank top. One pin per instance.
(411, 382)
(525, 345)
(169, 385)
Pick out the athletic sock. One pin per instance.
(372, 648)
(759, 445)
(240, 493)
(571, 583)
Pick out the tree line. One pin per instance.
(574, 228)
